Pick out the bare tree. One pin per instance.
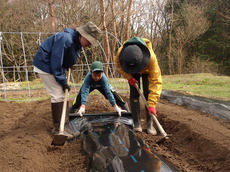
(169, 55)
(52, 14)
(106, 39)
(114, 29)
(192, 24)
(127, 35)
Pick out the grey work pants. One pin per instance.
(53, 88)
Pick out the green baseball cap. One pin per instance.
(96, 66)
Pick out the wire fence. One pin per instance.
(18, 80)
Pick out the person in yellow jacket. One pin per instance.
(135, 59)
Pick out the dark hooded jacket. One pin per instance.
(58, 53)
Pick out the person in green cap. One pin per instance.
(96, 79)
(135, 59)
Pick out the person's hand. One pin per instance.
(65, 86)
(132, 81)
(81, 111)
(119, 110)
(152, 110)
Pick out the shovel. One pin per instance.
(60, 139)
(162, 131)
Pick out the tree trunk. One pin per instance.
(106, 40)
(170, 57)
(114, 42)
(127, 36)
(52, 15)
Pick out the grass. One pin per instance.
(27, 99)
(201, 84)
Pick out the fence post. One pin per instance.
(2, 70)
(26, 67)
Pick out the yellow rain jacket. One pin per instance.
(153, 71)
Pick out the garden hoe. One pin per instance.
(60, 139)
(162, 131)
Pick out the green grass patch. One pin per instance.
(119, 83)
(26, 99)
(202, 84)
(35, 84)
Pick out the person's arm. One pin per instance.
(155, 81)
(57, 57)
(109, 95)
(84, 93)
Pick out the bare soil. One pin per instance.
(199, 143)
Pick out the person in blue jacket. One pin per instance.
(55, 55)
(96, 79)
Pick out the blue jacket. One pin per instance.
(57, 53)
(90, 83)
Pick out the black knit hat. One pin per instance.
(134, 56)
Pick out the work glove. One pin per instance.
(81, 111)
(132, 81)
(152, 110)
(65, 86)
(119, 110)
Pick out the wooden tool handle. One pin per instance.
(162, 131)
(63, 116)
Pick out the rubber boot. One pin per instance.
(126, 107)
(56, 115)
(150, 128)
(135, 108)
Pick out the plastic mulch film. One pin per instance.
(112, 146)
(217, 108)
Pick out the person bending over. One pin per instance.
(54, 56)
(136, 60)
(96, 79)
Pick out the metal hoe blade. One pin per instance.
(59, 140)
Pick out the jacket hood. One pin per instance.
(70, 31)
(74, 34)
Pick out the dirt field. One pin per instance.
(199, 141)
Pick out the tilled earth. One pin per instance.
(199, 143)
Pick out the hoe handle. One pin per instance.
(63, 116)
(162, 131)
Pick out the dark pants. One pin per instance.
(134, 94)
(119, 101)
(145, 85)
